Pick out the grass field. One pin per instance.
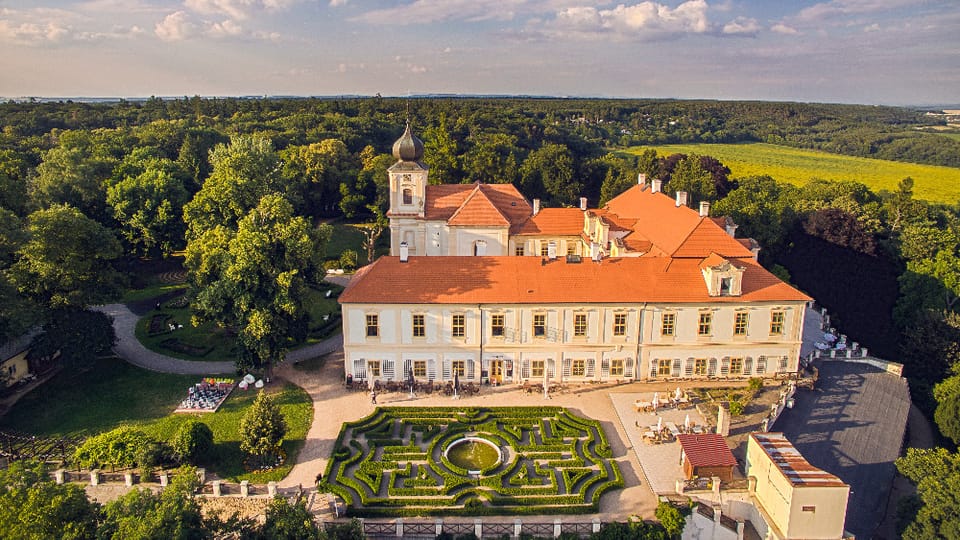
(797, 166)
(114, 392)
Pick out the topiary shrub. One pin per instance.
(192, 442)
(121, 447)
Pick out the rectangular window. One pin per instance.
(619, 324)
(580, 324)
(373, 325)
(536, 370)
(663, 366)
(579, 368)
(459, 367)
(419, 326)
(736, 366)
(458, 327)
(740, 323)
(808, 508)
(616, 367)
(419, 368)
(571, 248)
(518, 251)
(703, 327)
(539, 325)
(669, 324)
(776, 323)
(544, 249)
(700, 366)
(373, 368)
(496, 325)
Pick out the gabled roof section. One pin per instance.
(714, 260)
(528, 280)
(656, 215)
(554, 222)
(498, 204)
(478, 209)
(706, 238)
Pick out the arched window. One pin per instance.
(407, 196)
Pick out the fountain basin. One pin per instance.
(474, 454)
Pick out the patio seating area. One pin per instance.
(206, 396)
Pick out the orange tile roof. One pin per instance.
(554, 222)
(525, 280)
(476, 204)
(707, 238)
(478, 210)
(706, 450)
(791, 462)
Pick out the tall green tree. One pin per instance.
(936, 473)
(491, 159)
(254, 279)
(441, 153)
(548, 172)
(374, 173)
(33, 507)
(141, 514)
(316, 173)
(67, 261)
(690, 176)
(243, 172)
(149, 208)
(262, 427)
(75, 173)
(17, 312)
(286, 521)
(762, 207)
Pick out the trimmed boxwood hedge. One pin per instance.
(555, 462)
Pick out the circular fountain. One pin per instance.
(474, 454)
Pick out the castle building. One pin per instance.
(482, 285)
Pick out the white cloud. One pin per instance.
(226, 28)
(872, 28)
(833, 8)
(235, 9)
(741, 26)
(644, 20)
(338, 3)
(176, 26)
(429, 11)
(782, 28)
(31, 33)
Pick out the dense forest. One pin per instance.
(243, 186)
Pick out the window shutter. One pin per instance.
(604, 368)
(783, 363)
(447, 368)
(712, 367)
(360, 368)
(470, 368)
(432, 369)
(761, 365)
(747, 365)
(653, 367)
(676, 367)
(407, 366)
(628, 368)
(567, 363)
(688, 370)
(388, 370)
(725, 366)
(525, 369)
(551, 367)
(591, 367)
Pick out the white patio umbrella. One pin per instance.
(679, 393)
(659, 423)
(655, 396)
(686, 422)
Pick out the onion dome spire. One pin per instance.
(408, 147)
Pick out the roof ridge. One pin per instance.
(689, 234)
(495, 207)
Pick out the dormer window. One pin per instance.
(723, 278)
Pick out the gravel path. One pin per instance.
(130, 349)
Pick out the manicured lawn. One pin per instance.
(797, 166)
(350, 236)
(115, 393)
(206, 342)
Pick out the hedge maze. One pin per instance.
(392, 462)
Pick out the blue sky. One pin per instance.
(857, 51)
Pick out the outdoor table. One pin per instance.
(673, 429)
(642, 405)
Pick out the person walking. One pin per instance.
(373, 397)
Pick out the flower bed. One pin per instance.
(392, 463)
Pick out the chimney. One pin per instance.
(641, 179)
(731, 228)
(536, 206)
(655, 185)
(704, 209)
(583, 203)
(595, 252)
(681, 198)
(404, 252)
(552, 250)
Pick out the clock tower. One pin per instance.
(408, 181)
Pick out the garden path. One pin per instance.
(130, 349)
